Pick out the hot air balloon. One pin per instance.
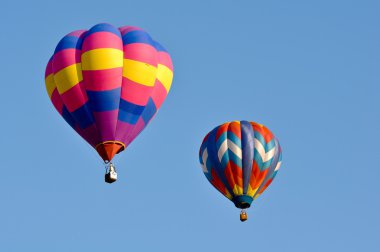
(240, 159)
(108, 83)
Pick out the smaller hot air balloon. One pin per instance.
(240, 159)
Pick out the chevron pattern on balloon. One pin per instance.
(240, 159)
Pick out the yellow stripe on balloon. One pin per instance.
(140, 72)
(165, 76)
(237, 190)
(103, 58)
(50, 84)
(228, 195)
(251, 191)
(68, 77)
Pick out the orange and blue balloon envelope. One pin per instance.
(240, 159)
(108, 83)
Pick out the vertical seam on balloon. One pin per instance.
(248, 148)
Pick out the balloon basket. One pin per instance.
(111, 174)
(243, 216)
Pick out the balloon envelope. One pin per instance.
(108, 83)
(240, 159)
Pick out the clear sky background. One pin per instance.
(308, 70)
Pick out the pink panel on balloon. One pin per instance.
(135, 93)
(49, 68)
(66, 58)
(164, 59)
(57, 101)
(75, 97)
(101, 80)
(102, 40)
(141, 52)
(159, 94)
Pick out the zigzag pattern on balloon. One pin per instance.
(240, 159)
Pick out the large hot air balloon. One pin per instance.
(108, 83)
(240, 159)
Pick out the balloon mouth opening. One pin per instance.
(244, 205)
(242, 201)
(107, 150)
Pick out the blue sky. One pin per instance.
(308, 70)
